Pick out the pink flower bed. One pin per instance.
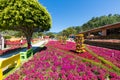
(18, 43)
(67, 46)
(70, 47)
(108, 54)
(54, 64)
(14, 45)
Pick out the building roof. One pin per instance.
(109, 26)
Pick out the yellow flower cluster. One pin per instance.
(63, 39)
(79, 43)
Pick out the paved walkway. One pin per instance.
(34, 46)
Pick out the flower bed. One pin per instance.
(104, 52)
(108, 54)
(18, 42)
(53, 64)
(70, 47)
(14, 43)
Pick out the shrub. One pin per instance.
(7, 37)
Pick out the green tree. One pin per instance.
(27, 16)
(50, 34)
(18, 34)
(67, 32)
(78, 29)
(101, 21)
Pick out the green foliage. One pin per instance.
(78, 29)
(8, 32)
(7, 37)
(101, 21)
(27, 16)
(40, 34)
(22, 13)
(18, 34)
(35, 35)
(67, 32)
(50, 34)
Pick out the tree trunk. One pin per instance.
(29, 42)
(28, 35)
(28, 31)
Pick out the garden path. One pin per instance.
(34, 46)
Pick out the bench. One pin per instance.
(13, 61)
(25, 55)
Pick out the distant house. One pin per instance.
(108, 31)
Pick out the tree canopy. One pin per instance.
(27, 16)
(100, 21)
(69, 31)
(50, 34)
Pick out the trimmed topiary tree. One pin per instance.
(27, 16)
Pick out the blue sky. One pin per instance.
(66, 13)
